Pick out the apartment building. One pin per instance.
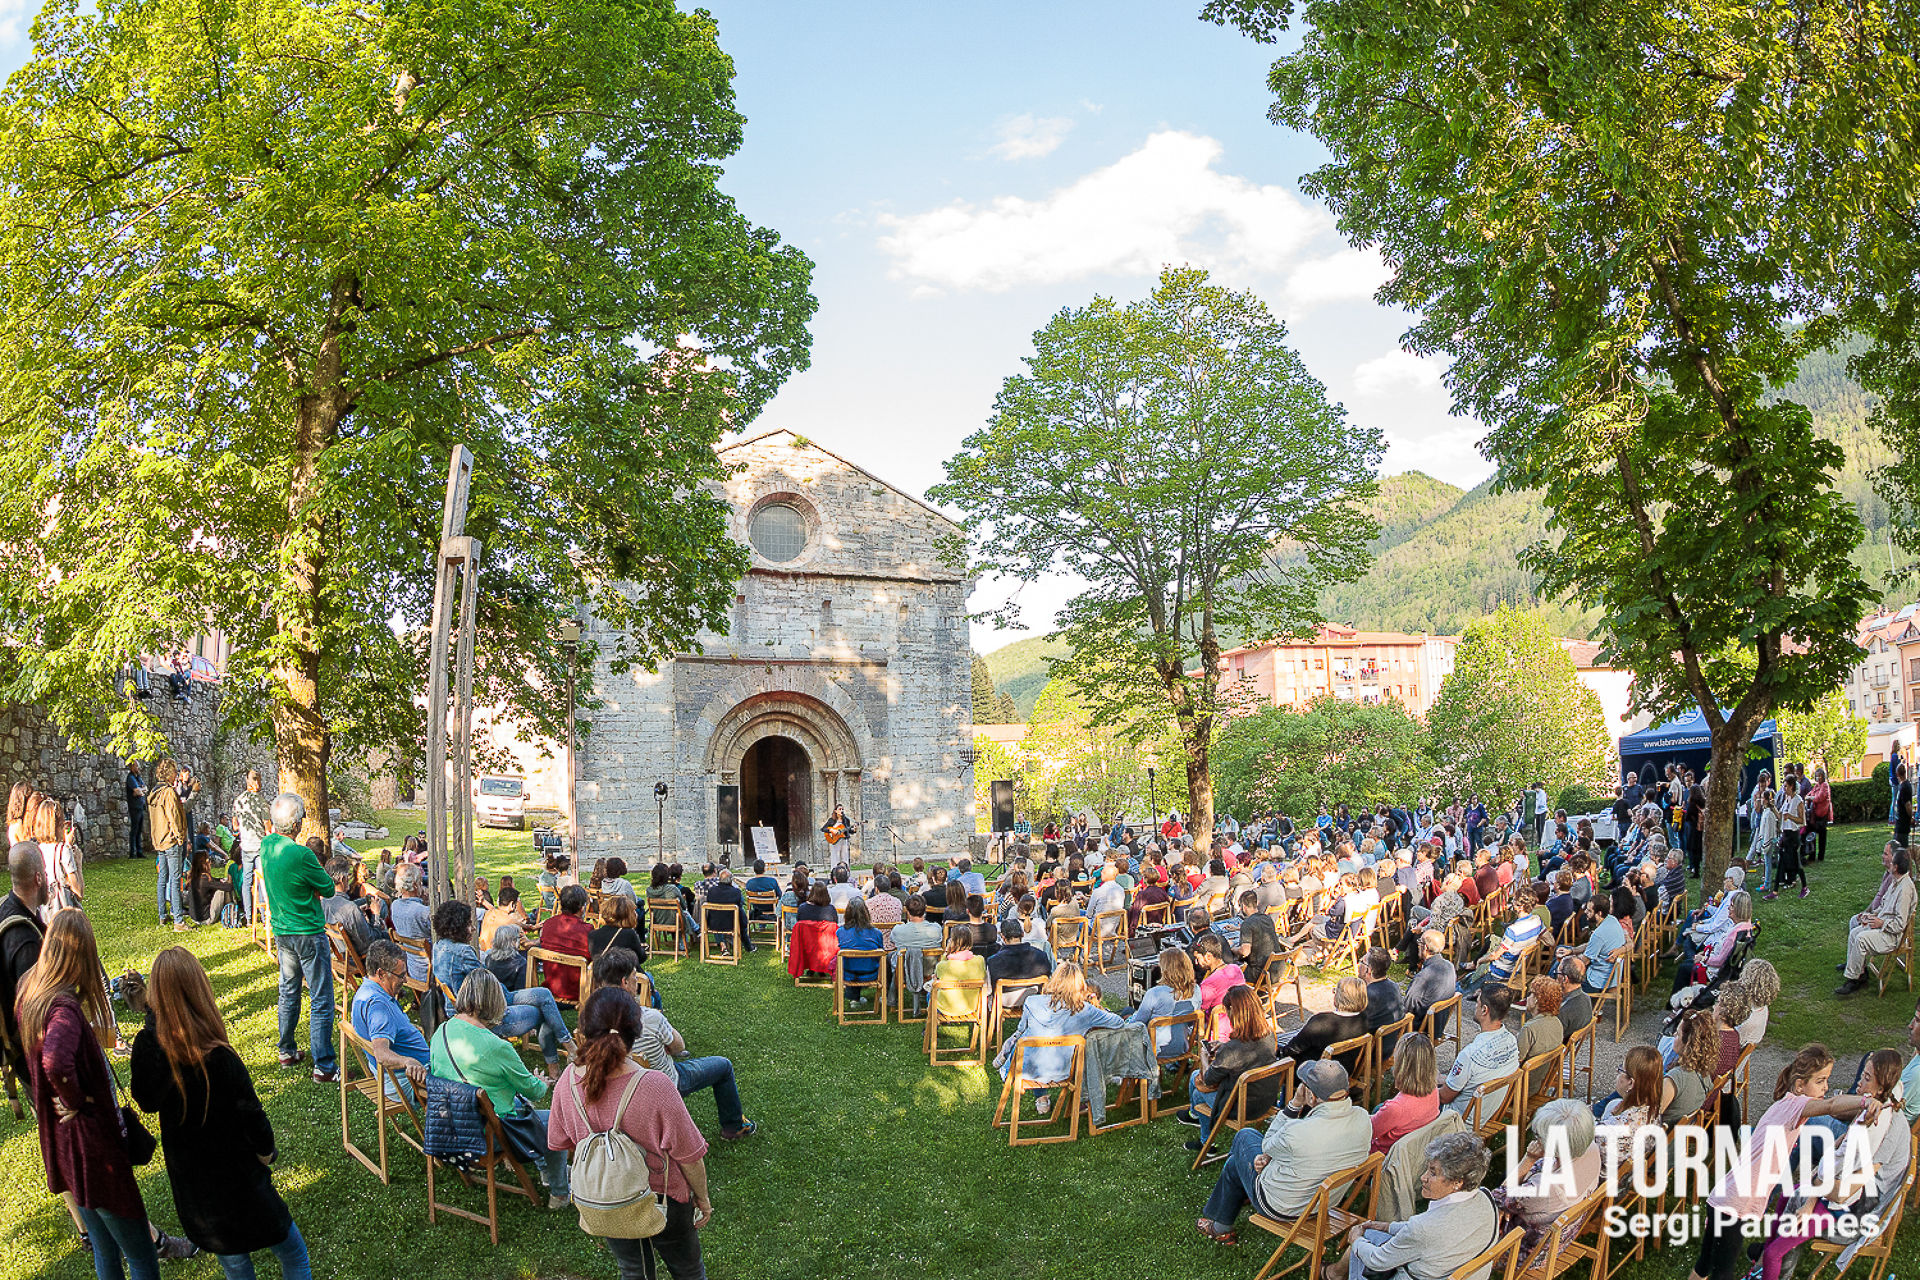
(1885, 686)
(1360, 666)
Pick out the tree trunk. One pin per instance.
(1721, 822)
(1199, 790)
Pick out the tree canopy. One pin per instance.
(1513, 712)
(1329, 751)
(1159, 451)
(263, 268)
(1614, 222)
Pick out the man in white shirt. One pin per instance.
(1107, 896)
(1493, 1054)
(841, 891)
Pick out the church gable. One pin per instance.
(803, 509)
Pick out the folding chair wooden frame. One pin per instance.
(1560, 1251)
(1018, 1087)
(733, 936)
(1666, 921)
(1486, 1120)
(1880, 1248)
(1331, 1212)
(769, 924)
(784, 921)
(348, 968)
(373, 1084)
(261, 925)
(422, 988)
(976, 1049)
(488, 1162)
(1901, 955)
(1618, 993)
(905, 994)
(1069, 939)
(1282, 968)
(1571, 1053)
(1542, 1074)
(1360, 1076)
(562, 959)
(669, 923)
(1454, 1004)
(1383, 1052)
(1100, 942)
(997, 1011)
(1355, 937)
(876, 1016)
(1234, 1117)
(1156, 915)
(1182, 1064)
(1508, 1247)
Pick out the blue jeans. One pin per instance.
(1237, 1185)
(115, 1238)
(557, 1169)
(1354, 1270)
(249, 864)
(534, 1007)
(170, 864)
(696, 1074)
(306, 956)
(1208, 1098)
(291, 1253)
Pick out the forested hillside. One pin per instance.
(1446, 556)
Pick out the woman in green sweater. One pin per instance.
(466, 1049)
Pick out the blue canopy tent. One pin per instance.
(1688, 743)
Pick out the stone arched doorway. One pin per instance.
(793, 758)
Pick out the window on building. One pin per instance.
(778, 532)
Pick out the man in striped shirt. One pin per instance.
(1503, 957)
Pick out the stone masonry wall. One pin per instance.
(34, 750)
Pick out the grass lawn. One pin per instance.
(869, 1163)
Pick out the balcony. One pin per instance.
(1878, 681)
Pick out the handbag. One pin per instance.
(139, 1143)
(526, 1134)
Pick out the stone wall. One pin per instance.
(93, 783)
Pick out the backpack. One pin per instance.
(611, 1181)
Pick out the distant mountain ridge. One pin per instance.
(1445, 556)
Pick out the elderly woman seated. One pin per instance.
(1541, 1193)
(1459, 1223)
(1066, 1006)
(466, 1048)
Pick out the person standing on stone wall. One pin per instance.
(250, 818)
(136, 809)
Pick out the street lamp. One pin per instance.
(569, 635)
(660, 798)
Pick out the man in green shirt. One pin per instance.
(295, 883)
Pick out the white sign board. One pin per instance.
(764, 845)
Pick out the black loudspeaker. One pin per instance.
(1002, 805)
(727, 815)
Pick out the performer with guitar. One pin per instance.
(836, 829)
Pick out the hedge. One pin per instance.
(1863, 799)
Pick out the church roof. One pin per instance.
(795, 440)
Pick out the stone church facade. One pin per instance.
(844, 678)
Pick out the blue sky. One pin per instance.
(958, 173)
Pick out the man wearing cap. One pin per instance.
(1320, 1132)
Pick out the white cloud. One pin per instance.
(1397, 372)
(1165, 202)
(16, 20)
(1028, 137)
(1345, 276)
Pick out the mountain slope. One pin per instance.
(1020, 669)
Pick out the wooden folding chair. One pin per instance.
(1542, 1074)
(1561, 1250)
(1618, 993)
(1355, 937)
(1103, 942)
(1743, 1080)
(1069, 938)
(562, 960)
(348, 967)
(422, 988)
(767, 924)
(722, 946)
(1901, 955)
(1155, 916)
(974, 994)
(386, 1089)
(262, 923)
(1880, 1248)
(1571, 1053)
(1506, 1248)
(1017, 1087)
(1333, 1210)
(784, 923)
(488, 1163)
(998, 1011)
(1646, 956)
(1283, 968)
(1488, 1117)
(909, 1000)
(1385, 1040)
(1666, 920)
(877, 1015)
(1182, 1064)
(667, 922)
(1356, 1055)
(1450, 1010)
(1234, 1115)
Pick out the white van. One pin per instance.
(500, 801)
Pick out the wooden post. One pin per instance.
(447, 583)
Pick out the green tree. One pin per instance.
(1325, 752)
(1613, 220)
(1830, 735)
(1004, 712)
(983, 709)
(264, 266)
(1087, 765)
(997, 760)
(1513, 712)
(1159, 451)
